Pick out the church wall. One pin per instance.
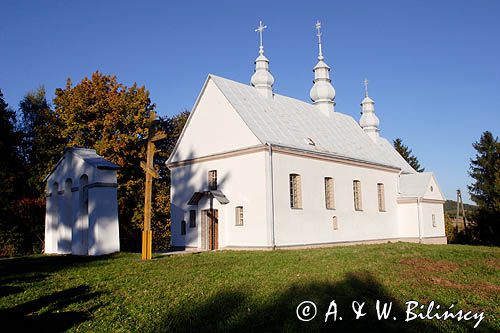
(429, 209)
(214, 127)
(408, 220)
(242, 179)
(313, 223)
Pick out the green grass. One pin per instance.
(249, 291)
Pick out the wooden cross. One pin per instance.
(149, 169)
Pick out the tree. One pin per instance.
(112, 118)
(11, 171)
(485, 190)
(42, 140)
(406, 153)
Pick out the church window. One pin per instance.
(381, 197)
(356, 185)
(239, 215)
(212, 180)
(434, 221)
(192, 218)
(335, 223)
(183, 227)
(329, 193)
(295, 191)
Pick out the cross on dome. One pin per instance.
(260, 30)
(365, 82)
(318, 27)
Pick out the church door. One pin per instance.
(212, 228)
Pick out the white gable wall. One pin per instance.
(213, 127)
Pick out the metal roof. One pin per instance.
(290, 122)
(215, 193)
(87, 155)
(414, 185)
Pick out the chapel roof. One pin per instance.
(414, 185)
(87, 155)
(290, 122)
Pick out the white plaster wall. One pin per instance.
(435, 193)
(66, 230)
(242, 179)
(213, 127)
(408, 220)
(312, 224)
(427, 229)
(103, 221)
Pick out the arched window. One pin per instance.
(329, 193)
(356, 187)
(381, 197)
(295, 191)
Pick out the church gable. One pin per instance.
(432, 190)
(213, 127)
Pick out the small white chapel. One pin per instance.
(254, 169)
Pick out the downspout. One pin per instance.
(419, 224)
(272, 195)
(399, 181)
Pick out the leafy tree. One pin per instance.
(406, 153)
(485, 190)
(42, 139)
(101, 113)
(161, 187)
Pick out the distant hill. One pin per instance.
(450, 206)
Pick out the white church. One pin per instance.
(253, 169)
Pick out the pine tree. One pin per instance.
(10, 164)
(485, 190)
(42, 140)
(11, 172)
(406, 153)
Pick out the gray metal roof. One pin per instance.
(90, 156)
(414, 185)
(293, 123)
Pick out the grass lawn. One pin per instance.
(250, 291)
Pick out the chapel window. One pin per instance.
(212, 180)
(192, 218)
(239, 215)
(381, 197)
(356, 185)
(329, 193)
(183, 227)
(295, 191)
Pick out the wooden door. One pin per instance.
(213, 229)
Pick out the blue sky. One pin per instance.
(433, 66)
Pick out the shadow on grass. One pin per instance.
(36, 265)
(46, 314)
(238, 311)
